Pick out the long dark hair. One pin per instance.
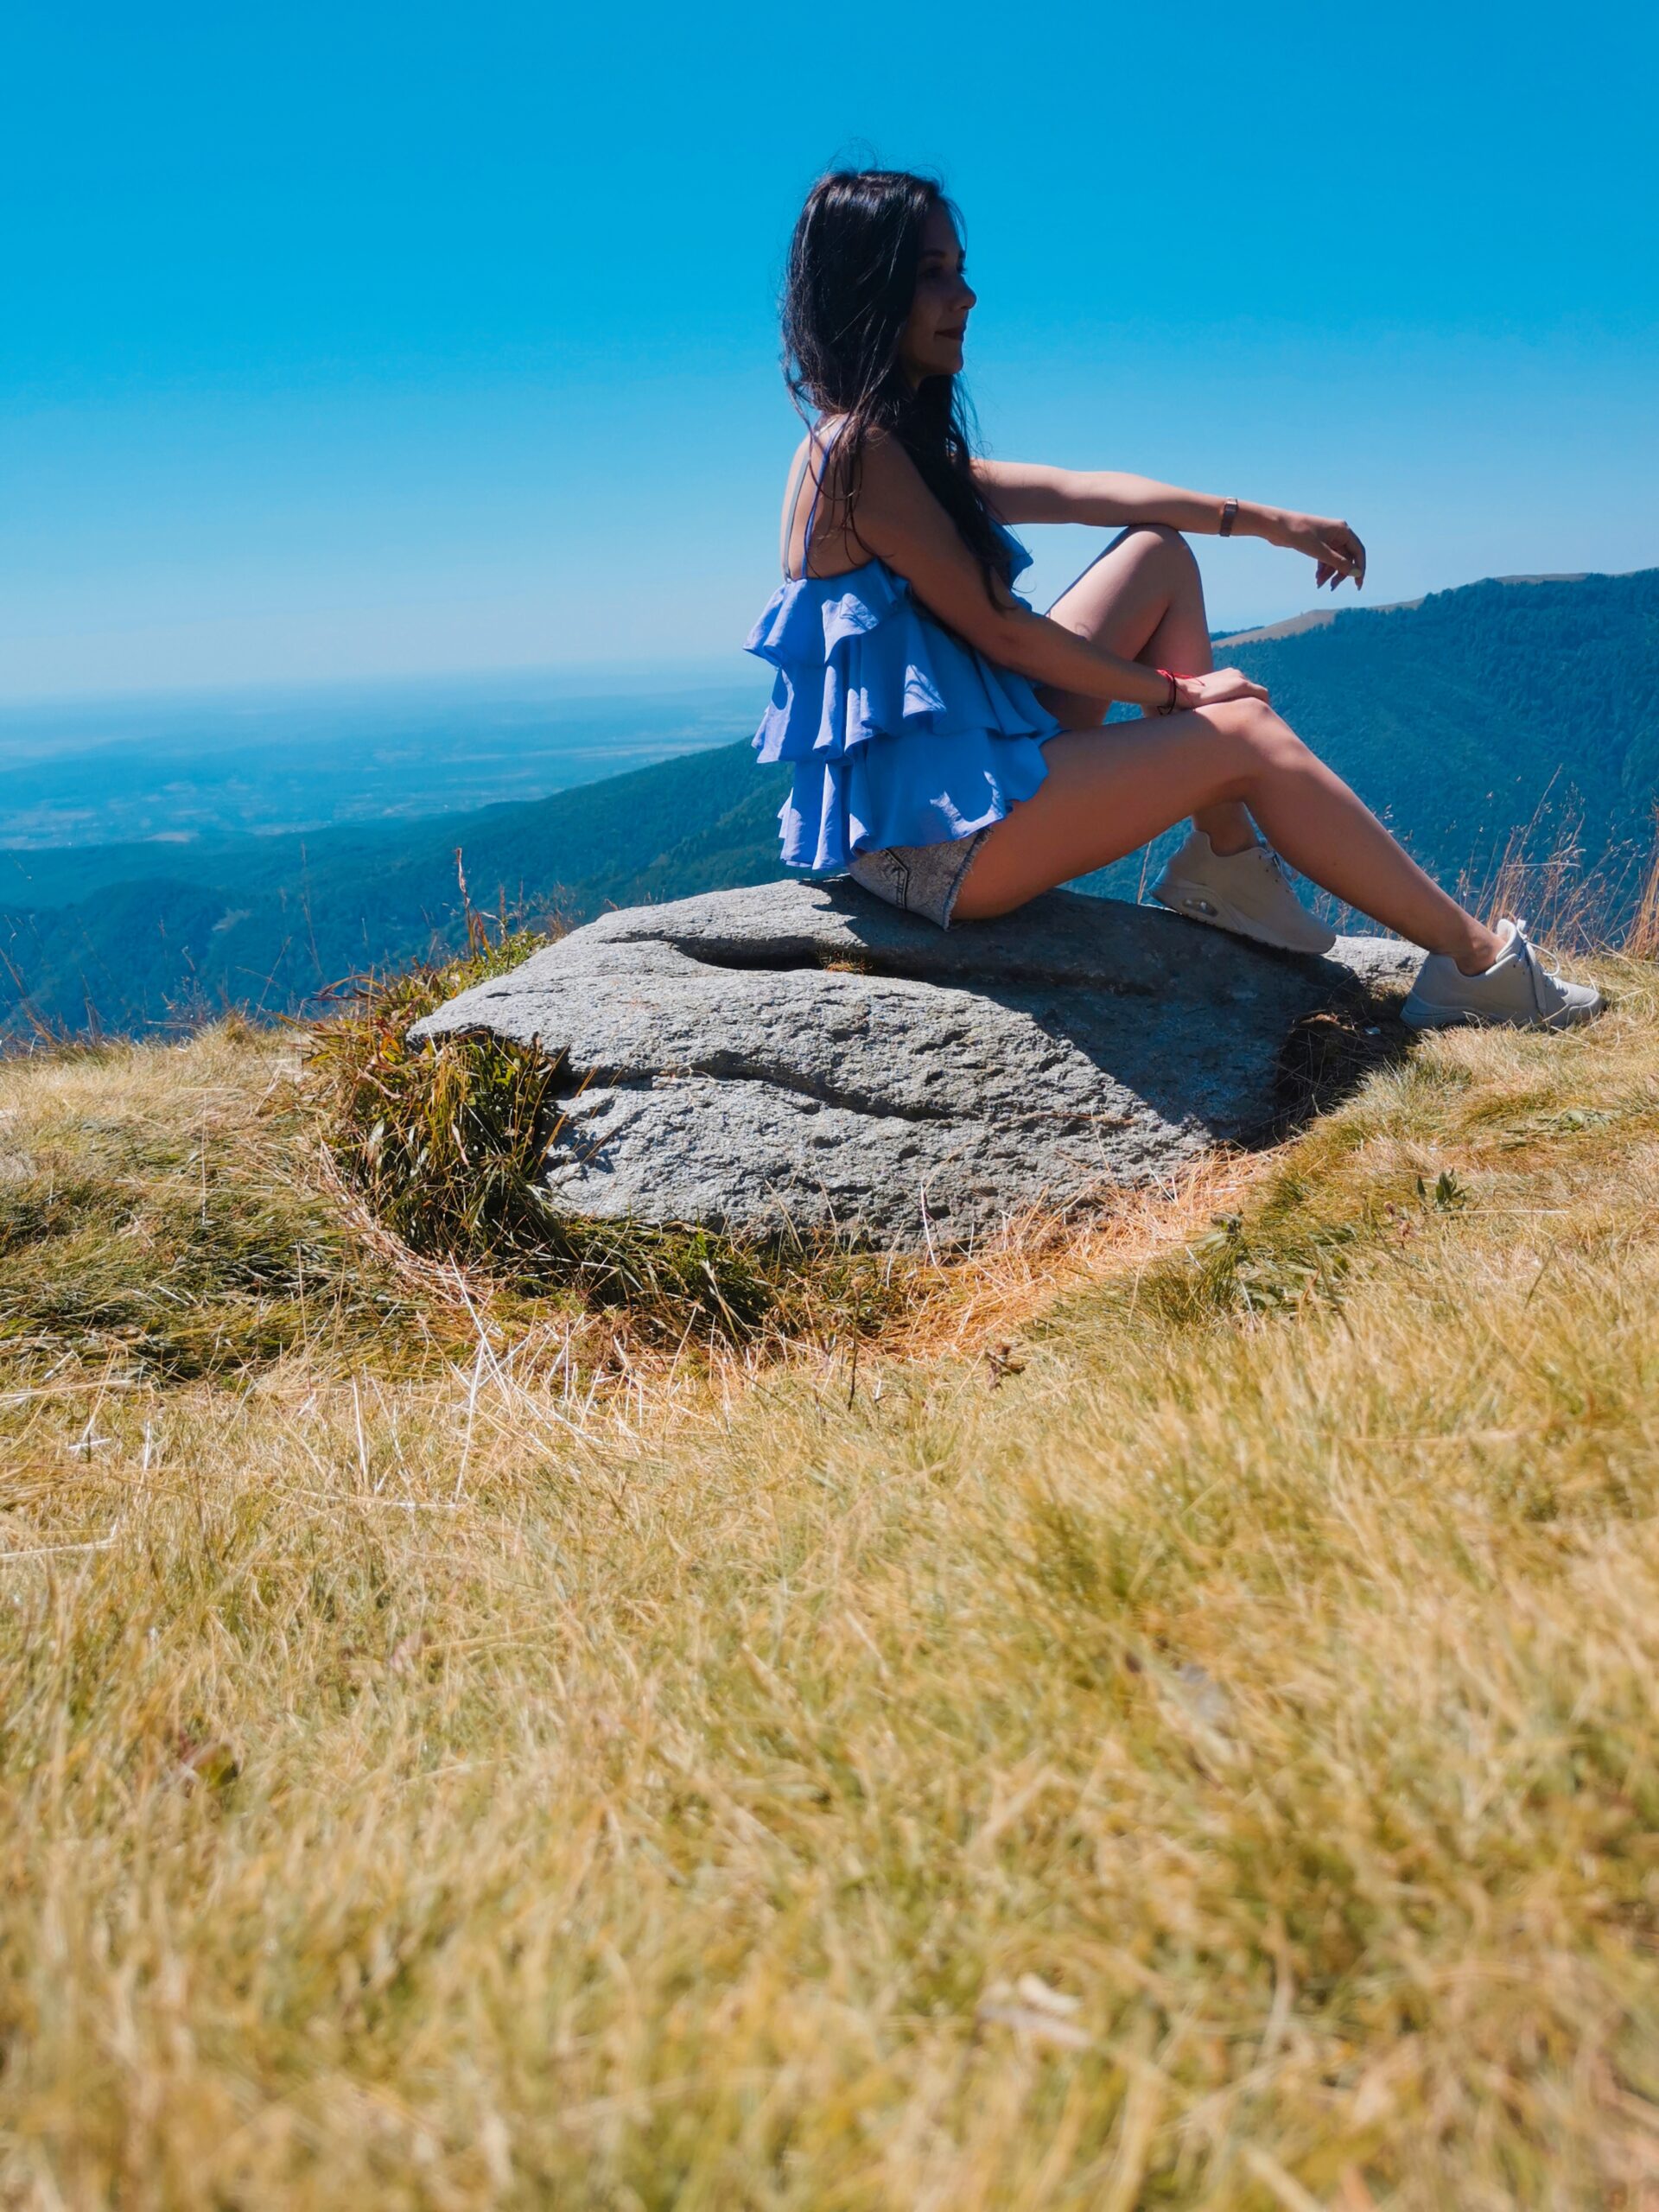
(852, 266)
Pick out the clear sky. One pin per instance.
(364, 338)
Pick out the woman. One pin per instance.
(949, 745)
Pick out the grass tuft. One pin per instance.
(444, 1142)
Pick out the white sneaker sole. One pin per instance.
(1438, 1017)
(1196, 902)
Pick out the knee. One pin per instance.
(1256, 739)
(1162, 542)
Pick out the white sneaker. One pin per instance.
(1516, 992)
(1248, 893)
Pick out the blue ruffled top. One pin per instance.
(899, 733)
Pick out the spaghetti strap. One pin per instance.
(817, 494)
(789, 519)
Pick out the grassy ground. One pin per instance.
(1199, 1754)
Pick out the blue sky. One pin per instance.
(365, 339)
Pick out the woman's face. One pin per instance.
(932, 344)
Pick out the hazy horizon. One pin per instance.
(608, 678)
(266, 759)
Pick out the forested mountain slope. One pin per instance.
(1498, 707)
(1459, 716)
(265, 924)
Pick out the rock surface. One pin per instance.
(802, 1055)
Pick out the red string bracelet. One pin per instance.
(1174, 698)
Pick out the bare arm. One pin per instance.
(1025, 490)
(1028, 491)
(901, 521)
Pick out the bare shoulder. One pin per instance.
(886, 448)
(816, 452)
(886, 474)
(883, 469)
(880, 512)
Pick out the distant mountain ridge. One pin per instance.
(1316, 618)
(1463, 717)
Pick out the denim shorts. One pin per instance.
(918, 879)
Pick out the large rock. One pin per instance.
(802, 1055)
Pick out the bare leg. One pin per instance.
(1109, 790)
(1143, 600)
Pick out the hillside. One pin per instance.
(1478, 714)
(1161, 1715)
(124, 938)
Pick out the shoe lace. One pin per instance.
(1545, 985)
(1283, 875)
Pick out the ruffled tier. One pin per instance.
(899, 732)
(913, 791)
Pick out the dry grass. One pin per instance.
(1202, 1757)
(1642, 940)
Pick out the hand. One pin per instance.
(1332, 544)
(1220, 683)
